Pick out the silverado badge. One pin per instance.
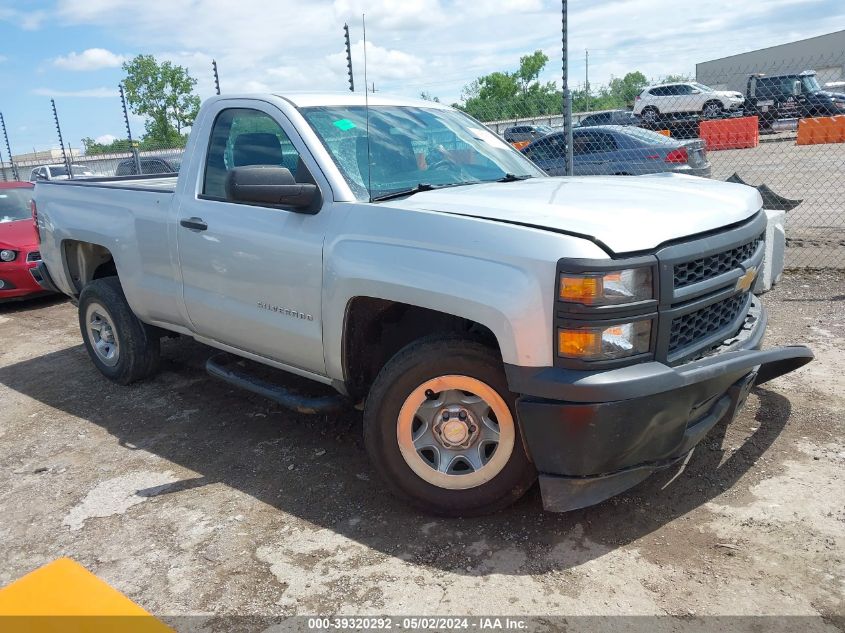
(744, 283)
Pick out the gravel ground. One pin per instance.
(193, 498)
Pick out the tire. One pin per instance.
(419, 475)
(123, 348)
(712, 110)
(650, 115)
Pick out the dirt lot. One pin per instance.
(193, 498)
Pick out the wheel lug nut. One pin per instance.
(430, 394)
(462, 415)
(446, 415)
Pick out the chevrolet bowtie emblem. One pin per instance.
(745, 282)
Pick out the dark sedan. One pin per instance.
(621, 151)
(611, 117)
(149, 165)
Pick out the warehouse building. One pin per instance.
(825, 54)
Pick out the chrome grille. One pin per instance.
(691, 328)
(691, 272)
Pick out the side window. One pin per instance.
(582, 144)
(548, 148)
(605, 143)
(242, 137)
(658, 92)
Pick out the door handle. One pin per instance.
(195, 224)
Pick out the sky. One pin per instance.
(72, 50)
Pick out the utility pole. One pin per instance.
(587, 77)
(349, 59)
(216, 76)
(61, 142)
(567, 95)
(134, 149)
(9, 149)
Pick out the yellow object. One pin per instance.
(581, 289)
(65, 597)
(579, 343)
(664, 132)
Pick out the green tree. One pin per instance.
(92, 147)
(164, 93)
(427, 96)
(674, 79)
(502, 94)
(623, 91)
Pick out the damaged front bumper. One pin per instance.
(593, 435)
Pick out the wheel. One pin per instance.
(440, 429)
(649, 115)
(711, 110)
(123, 348)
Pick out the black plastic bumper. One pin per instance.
(42, 277)
(594, 435)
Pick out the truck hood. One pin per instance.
(624, 213)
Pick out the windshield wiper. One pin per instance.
(423, 186)
(513, 178)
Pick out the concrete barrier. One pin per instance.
(821, 129)
(738, 133)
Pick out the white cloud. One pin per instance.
(105, 139)
(89, 59)
(28, 20)
(389, 14)
(86, 93)
(437, 45)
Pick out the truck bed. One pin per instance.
(157, 182)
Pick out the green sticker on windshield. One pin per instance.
(344, 124)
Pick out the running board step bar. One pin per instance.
(225, 367)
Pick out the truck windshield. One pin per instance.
(810, 83)
(409, 146)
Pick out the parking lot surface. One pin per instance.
(193, 498)
(815, 229)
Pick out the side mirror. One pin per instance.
(696, 91)
(270, 185)
(796, 88)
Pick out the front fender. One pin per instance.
(509, 300)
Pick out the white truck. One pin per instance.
(495, 324)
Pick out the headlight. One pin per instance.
(605, 342)
(7, 256)
(839, 104)
(610, 288)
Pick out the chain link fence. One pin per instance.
(782, 132)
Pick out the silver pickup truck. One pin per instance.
(493, 323)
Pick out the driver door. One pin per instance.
(252, 275)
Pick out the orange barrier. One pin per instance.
(730, 133)
(664, 132)
(520, 144)
(822, 129)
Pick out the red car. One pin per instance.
(18, 242)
